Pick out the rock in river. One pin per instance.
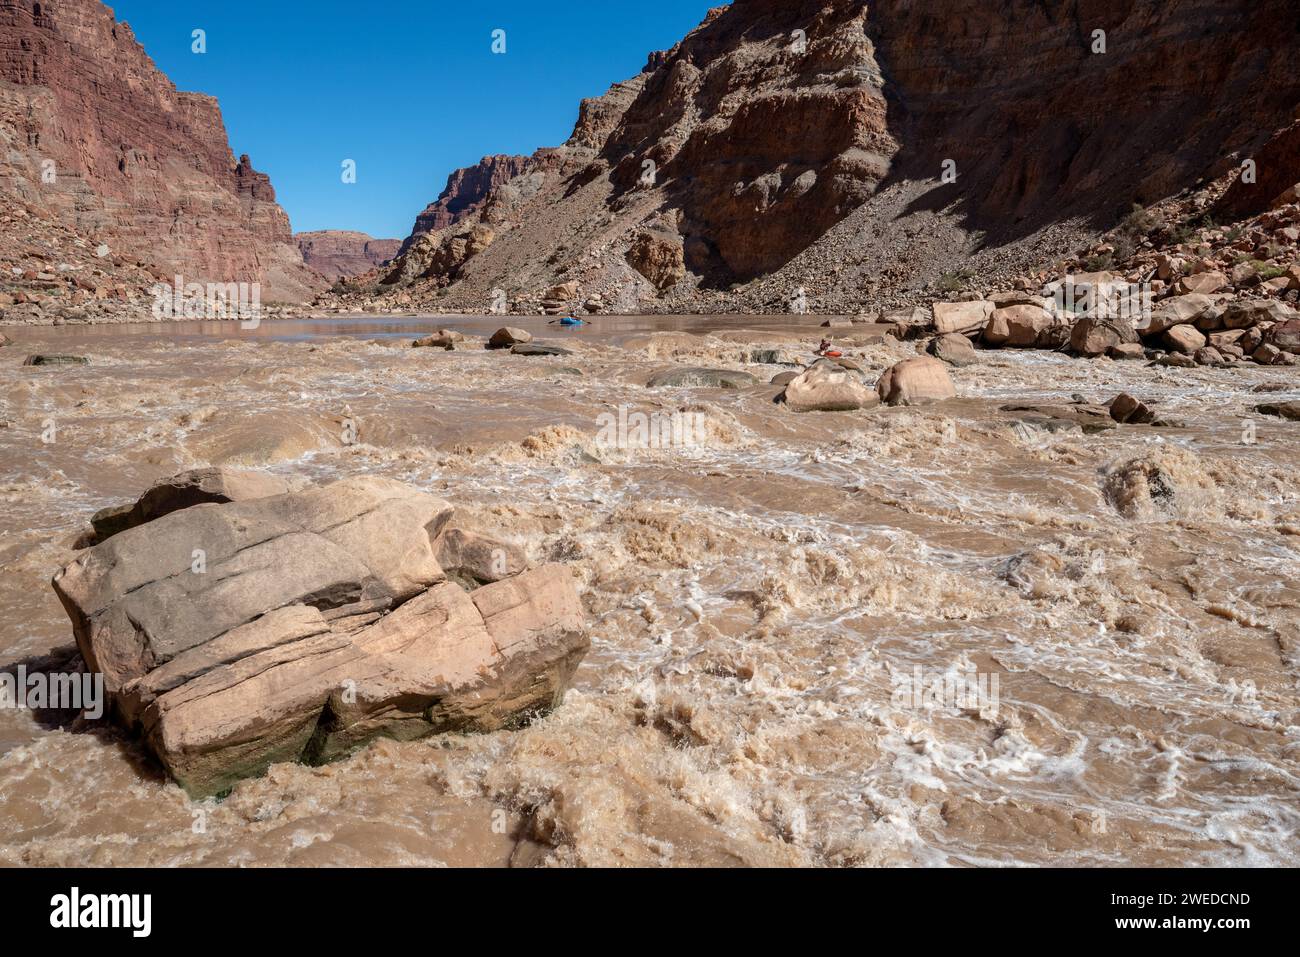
(701, 379)
(827, 388)
(508, 336)
(301, 626)
(923, 379)
(53, 360)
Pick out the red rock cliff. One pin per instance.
(465, 192)
(800, 143)
(135, 164)
(337, 253)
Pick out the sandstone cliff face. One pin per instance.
(97, 138)
(464, 194)
(336, 253)
(799, 144)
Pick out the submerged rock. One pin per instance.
(1282, 410)
(694, 378)
(536, 349)
(300, 627)
(55, 360)
(442, 339)
(1083, 415)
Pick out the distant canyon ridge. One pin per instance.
(335, 253)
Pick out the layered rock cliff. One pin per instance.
(97, 139)
(464, 194)
(335, 253)
(863, 153)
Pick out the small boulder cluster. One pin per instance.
(1199, 323)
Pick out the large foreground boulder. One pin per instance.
(923, 379)
(827, 387)
(301, 626)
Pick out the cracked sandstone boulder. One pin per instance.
(301, 626)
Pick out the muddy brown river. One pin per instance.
(772, 603)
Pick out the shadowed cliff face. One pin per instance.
(128, 159)
(777, 121)
(766, 147)
(1043, 127)
(767, 126)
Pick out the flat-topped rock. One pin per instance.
(196, 487)
(537, 349)
(300, 626)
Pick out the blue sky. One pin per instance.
(409, 89)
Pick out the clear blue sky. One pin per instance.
(409, 89)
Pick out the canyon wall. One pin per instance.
(790, 145)
(96, 138)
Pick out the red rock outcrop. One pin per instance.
(335, 253)
(467, 188)
(94, 136)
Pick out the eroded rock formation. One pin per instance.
(467, 189)
(299, 626)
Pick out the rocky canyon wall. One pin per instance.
(791, 144)
(336, 253)
(466, 190)
(97, 139)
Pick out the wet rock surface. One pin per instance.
(300, 626)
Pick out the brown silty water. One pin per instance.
(762, 601)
